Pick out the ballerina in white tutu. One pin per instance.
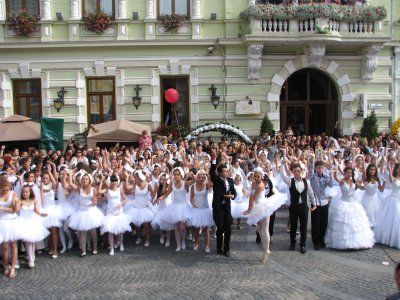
(202, 217)
(179, 211)
(116, 222)
(52, 220)
(260, 208)
(141, 213)
(241, 201)
(161, 189)
(387, 229)
(33, 228)
(348, 225)
(10, 229)
(370, 200)
(88, 217)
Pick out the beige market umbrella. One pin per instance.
(115, 131)
(19, 128)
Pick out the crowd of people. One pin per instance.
(54, 200)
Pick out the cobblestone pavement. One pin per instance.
(160, 273)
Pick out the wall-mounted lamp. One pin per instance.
(213, 16)
(135, 15)
(59, 102)
(137, 99)
(248, 99)
(59, 16)
(214, 98)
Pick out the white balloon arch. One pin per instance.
(218, 127)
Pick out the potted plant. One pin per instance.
(23, 23)
(97, 22)
(172, 22)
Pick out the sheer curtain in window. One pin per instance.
(106, 6)
(32, 7)
(15, 6)
(181, 7)
(165, 7)
(90, 7)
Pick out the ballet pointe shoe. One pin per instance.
(265, 256)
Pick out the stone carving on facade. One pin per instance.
(150, 9)
(2, 10)
(314, 54)
(369, 61)
(254, 53)
(122, 9)
(196, 9)
(45, 7)
(75, 10)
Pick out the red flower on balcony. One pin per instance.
(23, 23)
(97, 22)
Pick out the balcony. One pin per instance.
(293, 24)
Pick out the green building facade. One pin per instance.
(311, 73)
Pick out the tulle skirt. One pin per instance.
(129, 204)
(86, 219)
(10, 229)
(159, 223)
(387, 229)
(202, 217)
(175, 213)
(53, 219)
(65, 209)
(348, 226)
(371, 206)
(265, 207)
(33, 229)
(138, 216)
(116, 224)
(237, 208)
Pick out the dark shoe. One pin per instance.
(227, 254)
(291, 247)
(317, 247)
(219, 251)
(303, 250)
(258, 240)
(323, 245)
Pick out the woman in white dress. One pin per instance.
(31, 223)
(115, 222)
(387, 230)
(179, 211)
(370, 200)
(157, 223)
(260, 209)
(52, 220)
(202, 217)
(348, 225)
(10, 229)
(241, 201)
(88, 217)
(141, 213)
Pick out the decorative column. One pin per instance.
(76, 15)
(150, 20)
(197, 20)
(2, 18)
(46, 20)
(396, 89)
(46, 11)
(254, 52)
(5, 94)
(122, 21)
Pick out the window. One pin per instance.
(31, 6)
(178, 112)
(101, 100)
(93, 6)
(168, 7)
(27, 98)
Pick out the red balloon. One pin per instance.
(171, 95)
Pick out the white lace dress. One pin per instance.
(348, 224)
(240, 203)
(371, 202)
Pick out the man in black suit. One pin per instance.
(224, 192)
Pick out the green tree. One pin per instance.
(266, 125)
(369, 128)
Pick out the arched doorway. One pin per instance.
(309, 103)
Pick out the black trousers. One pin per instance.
(270, 227)
(223, 220)
(319, 223)
(298, 212)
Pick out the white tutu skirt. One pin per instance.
(202, 217)
(237, 208)
(332, 192)
(175, 213)
(65, 209)
(265, 207)
(348, 226)
(129, 204)
(387, 229)
(33, 229)
(10, 229)
(358, 194)
(86, 219)
(116, 224)
(138, 216)
(53, 219)
(159, 223)
(371, 206)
